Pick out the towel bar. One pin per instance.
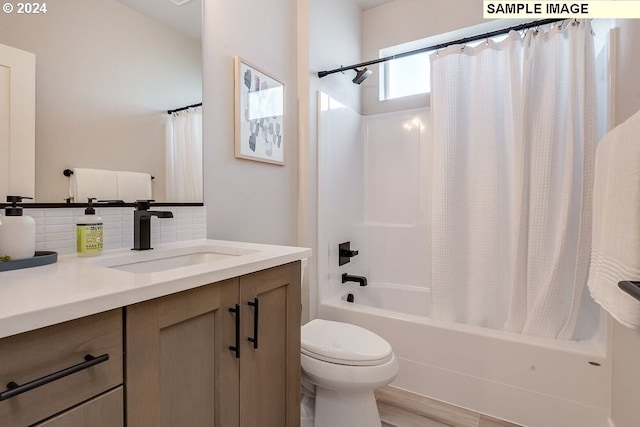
(632, 288)
(69, 172)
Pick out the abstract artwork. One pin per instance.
(259, 115)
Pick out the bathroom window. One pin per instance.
(410, 75)
(405, 76)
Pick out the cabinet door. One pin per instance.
(270, 373)
(103, 411)
(177, 371)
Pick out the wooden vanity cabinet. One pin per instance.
(65, 375)
(106, 410)
(192, 357)
(270, 373)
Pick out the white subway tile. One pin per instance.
(52, 213)
(58, 237)
(55, 220)
(60, 245)
(36, 214)
(55, 227)
(184, 235)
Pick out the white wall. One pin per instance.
(626, 342)
(412, 20)
(105, 76)
(335, 40)
(248, 200)
(329, 35)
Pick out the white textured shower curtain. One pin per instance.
(184, 156)
(511, 180)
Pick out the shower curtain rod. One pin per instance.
(184, 108)
(443, 45)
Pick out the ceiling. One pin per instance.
(187, 18)
(369, 4)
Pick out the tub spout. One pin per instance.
(358, 279)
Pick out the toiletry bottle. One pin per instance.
(89, 236)
(18, 231)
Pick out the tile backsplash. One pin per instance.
(55, 228)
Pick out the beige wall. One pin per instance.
(105, 75)
(625, 387)
(249, 200)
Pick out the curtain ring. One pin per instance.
(462, 48)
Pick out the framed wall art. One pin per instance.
(259, 133)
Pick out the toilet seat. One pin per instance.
(343, 344)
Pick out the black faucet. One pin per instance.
(142, 224)
(358, 279)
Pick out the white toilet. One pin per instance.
(345, 363)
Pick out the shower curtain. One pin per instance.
(515, 130)
(184, 156)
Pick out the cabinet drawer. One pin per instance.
(106, 410)
(38, 354)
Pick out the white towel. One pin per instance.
(98, 183)
(615, 253)
(134, 186)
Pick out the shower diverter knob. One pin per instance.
(345, 253)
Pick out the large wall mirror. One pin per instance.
(107, 71)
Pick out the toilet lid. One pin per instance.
(343, 343)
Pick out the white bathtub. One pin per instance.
(531, 381)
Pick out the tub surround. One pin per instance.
(75, 287)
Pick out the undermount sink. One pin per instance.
(162, 260)
(169, 263)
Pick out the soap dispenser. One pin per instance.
(89, 232)
(18, 231)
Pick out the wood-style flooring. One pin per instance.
(400, 408)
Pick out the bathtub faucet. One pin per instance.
(358, 279)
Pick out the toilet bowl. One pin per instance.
(345, 363)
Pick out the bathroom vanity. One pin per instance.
(191, 333)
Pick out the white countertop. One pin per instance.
(75, 287)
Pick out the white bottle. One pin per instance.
(89, 233)
(18, 231)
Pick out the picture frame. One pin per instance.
(259, 110)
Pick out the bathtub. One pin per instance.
(531, 381)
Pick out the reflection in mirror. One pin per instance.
(106, 74)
